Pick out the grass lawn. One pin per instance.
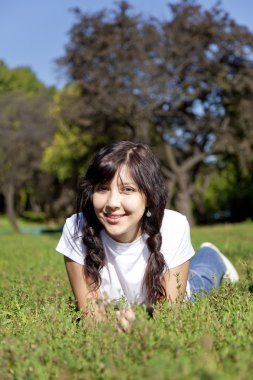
(211, 338)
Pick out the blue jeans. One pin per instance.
(206, 271)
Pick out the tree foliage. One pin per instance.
(67, 156)
(104, 58)
(18, 79)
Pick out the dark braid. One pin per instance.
(95, 256)
(155, 267)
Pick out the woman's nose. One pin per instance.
(113, 199)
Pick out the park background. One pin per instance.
(179, 78)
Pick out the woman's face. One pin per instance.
(119, 206)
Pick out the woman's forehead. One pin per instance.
(123, 174)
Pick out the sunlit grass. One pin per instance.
(41, 339)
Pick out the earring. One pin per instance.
(148, 214)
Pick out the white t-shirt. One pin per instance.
(125, 265)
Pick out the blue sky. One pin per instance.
(33, 33)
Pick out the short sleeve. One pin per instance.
(70, 243)
(176, 247)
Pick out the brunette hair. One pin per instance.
(146, 172)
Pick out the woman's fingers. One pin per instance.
(124, 324)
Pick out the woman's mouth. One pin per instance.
(113, 218)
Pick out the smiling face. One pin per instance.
(119, 206)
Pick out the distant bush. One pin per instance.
(37, 217)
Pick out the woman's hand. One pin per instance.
(125, 318)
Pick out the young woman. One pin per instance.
(123, 242)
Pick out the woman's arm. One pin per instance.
(86, 298)
(174, 281)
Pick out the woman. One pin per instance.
(124, 243)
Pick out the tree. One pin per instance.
(206, 67)
(107, 58)
(18, 79)
(182, 85)
(25, 130)
(70, 149)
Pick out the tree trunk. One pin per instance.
(183, 205)
(183, 202)
(182, 176)
(9, 193)
(171, 188)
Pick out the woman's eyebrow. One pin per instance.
(128, 183)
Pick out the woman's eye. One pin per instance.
(128, 189)
(101, 188)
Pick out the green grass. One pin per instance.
(211, 338)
